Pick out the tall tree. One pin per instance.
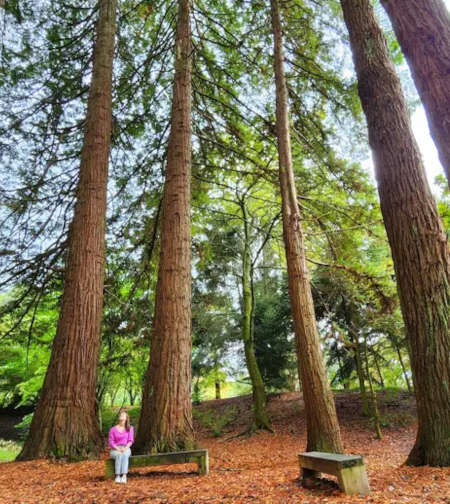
(322, 425)
(423, 29)
(260, 418)
(65, 422)
(166, 415)
(417, 240)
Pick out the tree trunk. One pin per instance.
(65, 423)
(373, 397)
(166, 415)
(260, 418)
(418, 243)
(423, 29)
(360, 372)
(408, 384)
(217, 384)
(113, 396)
(380, 376)
(322, 425)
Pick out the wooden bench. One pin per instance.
(349, 469)
(182, 457)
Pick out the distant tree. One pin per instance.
(323, 432)
(274, 349)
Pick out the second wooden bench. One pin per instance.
(349, 469)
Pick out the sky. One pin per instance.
(430, 157)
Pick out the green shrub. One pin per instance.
(395, 420)
(216, 421)
(109, 417)
(23, 427)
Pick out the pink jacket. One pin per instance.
(117, 438)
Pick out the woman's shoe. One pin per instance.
(124, 479)
(118, 479)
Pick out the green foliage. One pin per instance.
(44, 75)
(23, 427)
(110, 416)
(396, 420)
(216, 420)
(274, 343)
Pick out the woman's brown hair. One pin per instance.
(127, 421)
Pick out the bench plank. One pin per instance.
(200, 457)
(349, 469)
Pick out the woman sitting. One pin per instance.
(121, 437)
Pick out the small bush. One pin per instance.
(23, 427)
(396, 420)
(216, 421)
(8, 444)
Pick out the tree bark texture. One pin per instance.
(65, 422)
(166, 416)
(361, 374)
(418, 243)
(422, 28)
(322, 425)
(260, 418)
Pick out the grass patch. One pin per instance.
(8, 450)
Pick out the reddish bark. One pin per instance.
(166, 415)
(423, 29)
(322, 424)
(65, 423)
(418, 243)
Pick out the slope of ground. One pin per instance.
(262, 469)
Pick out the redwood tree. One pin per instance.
(322, 425)
(166, 416)
(418, 243)
(65, 423)
(423, 30)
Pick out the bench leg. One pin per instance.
(109, 469)
(309, 478)
(203, 464)
(353, 480)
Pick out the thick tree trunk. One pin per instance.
(260, 418)
(65, 422)
(166, 415)
(418, 243)
(423, 30)
(322, 425)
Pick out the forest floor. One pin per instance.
(262, 469)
